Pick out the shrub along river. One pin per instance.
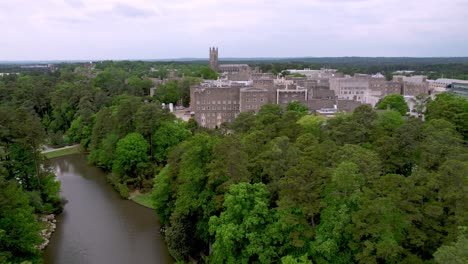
(97, 226)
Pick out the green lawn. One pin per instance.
(144, 199)
(62, 152)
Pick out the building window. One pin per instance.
(224, 102)
(255, 99)
(246, 99)
(261, 99)
(229, 101)
(207, 108)
(198, 102)
(213, 102)
(219, 102)
(208, 91)
(198, 108)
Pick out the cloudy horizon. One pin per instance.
(149, 29)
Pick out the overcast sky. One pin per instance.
(156, 29)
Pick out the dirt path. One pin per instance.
(57, 149)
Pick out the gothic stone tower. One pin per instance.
(214, 58)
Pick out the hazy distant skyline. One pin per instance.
(150, 29)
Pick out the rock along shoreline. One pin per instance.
(50, 226)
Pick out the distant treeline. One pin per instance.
(443, 67)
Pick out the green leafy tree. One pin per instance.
(19, 229)
(242, 232)
(206, 72)
(167, 136)
(454, 253)
(167, 93)
(131, 154)
(297, 107)
(395, 102)
(139, 86)
(452, 108)
(312, 124)
(341, 198)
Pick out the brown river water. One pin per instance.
(97, 226)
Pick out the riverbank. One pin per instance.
(49, 228)
(143, 199)
(53, 153)
(97, 225)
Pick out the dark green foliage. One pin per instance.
(167, 136)
(452, 108)
(167, 93)
(279, 186)
(19, 229)
(363, 187)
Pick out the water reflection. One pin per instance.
(97, 226)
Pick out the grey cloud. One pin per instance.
(130, 11)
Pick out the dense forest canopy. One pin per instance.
(280, 186)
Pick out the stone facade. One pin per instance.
(252, 99)
(213, 105)
(214, 58)
(323, 91)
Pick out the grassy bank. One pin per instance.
(62, 152)
(143, 199)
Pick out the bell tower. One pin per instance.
(214, 58)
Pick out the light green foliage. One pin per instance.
(206, 72)
(293, 260)
(341, 198)
(162, 195)
(131, 154)
(79, 132)
(242, 233)
(455, 252)
(298, 108)
(395, 102)
(312, 124)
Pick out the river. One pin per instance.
(97, 226)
